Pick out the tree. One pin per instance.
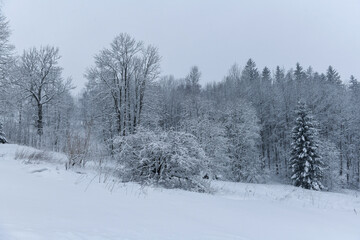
(354, 84)
(6, 63)
(192, 81)
(6, 49)
(191, 103)
(299, 73)
(266, 76)
(243, 134)
(250, 72)
(353, 137)
(171, 98)
(331, 157)
(2, 134)
(122, 74)
(305, 160)
(40, 79)
(279, 75)
(332, 76)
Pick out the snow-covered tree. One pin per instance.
(39, 79)
(299, 73)
(243, 134)
(6, 48)
(307, 168)
(122, 74)
(332, 76)
(6, 64)
(331, 157)
(2, 134)
(250, 72)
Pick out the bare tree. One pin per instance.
(6, 59)
(123, 72)
(6, 49)
(39, 78)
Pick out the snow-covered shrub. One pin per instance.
(77, 150)
(170, 159)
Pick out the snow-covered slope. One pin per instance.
(56, 204)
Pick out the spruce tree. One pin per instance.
(2, 134)
(299, 73)
(305, 161)
(332, 76)
(279, 75)
(250, 73)
(266, 75)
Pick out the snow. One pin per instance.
(44, 201)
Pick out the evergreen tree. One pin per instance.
(266, 75)
(354, 84)
(2, 134)
(332, 76)
(192, 81)
(250, 73)
(305, 160)
(279, 75)
(309, 74)
(298, 73)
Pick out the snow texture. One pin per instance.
(39, 204)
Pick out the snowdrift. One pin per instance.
(43, 201)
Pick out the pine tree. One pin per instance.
(333, 76)
(250, 73)
(266, 75)
(299, 73)
(192, 81)
(305, 160)
(354, 84)
(279, 75)
(2, 134)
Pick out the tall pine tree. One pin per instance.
(305, 161)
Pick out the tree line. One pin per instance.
(173, 130)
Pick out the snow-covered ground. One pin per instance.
(45, 202)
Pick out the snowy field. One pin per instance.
(45, 202)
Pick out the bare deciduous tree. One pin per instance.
(123, 72)
(39, 78)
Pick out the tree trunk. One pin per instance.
(40, 123)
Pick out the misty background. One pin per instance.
(210, 34)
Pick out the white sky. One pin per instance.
(210, 34)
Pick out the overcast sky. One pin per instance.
(210, 34)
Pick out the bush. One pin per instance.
(77, 150)
(170, 159)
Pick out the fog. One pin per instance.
(210, 34)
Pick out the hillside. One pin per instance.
(44, 201)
